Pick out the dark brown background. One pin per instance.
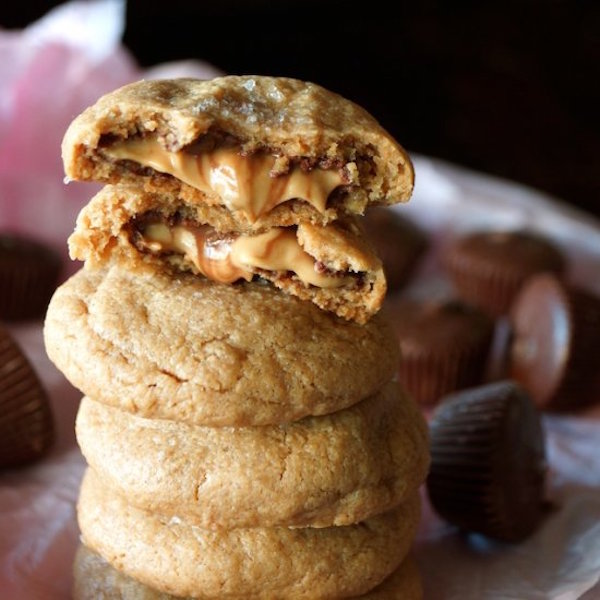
(505, 88)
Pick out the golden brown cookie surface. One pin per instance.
(301, 124)
(95, 578)
(260, 563)
(336, 469)
(186, 349)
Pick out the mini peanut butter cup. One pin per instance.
(556, 344)
(26, 425)
(488, 268)
(28, 276)
(444, 346)
(398, 242)
(488, 461)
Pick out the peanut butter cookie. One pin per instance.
(95, 578)
(172, 556)
(187, 349)
(334, 266)
(273, 151)
(321, 471)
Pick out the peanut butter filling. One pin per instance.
(243, 182)
(227, 257)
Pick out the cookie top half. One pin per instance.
(273, 151)
(184, 348)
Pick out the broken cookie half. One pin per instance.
(271, 152)
(332, 265)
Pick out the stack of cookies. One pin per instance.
(244, 434)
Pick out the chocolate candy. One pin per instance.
(26, 425)
(28, 276)
(444, 347)
(488, 268)
(398, 242)
(555, 345)
(488, 461)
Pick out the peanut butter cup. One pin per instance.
(556, 343)
(28, 276)
(488, 461)
(444, 346)
(26, 425)
(399, 243)
(488, 268)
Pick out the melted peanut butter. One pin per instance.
(226, 258)
(243, 182)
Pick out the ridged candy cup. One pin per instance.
(488, 461)
(26, 425)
